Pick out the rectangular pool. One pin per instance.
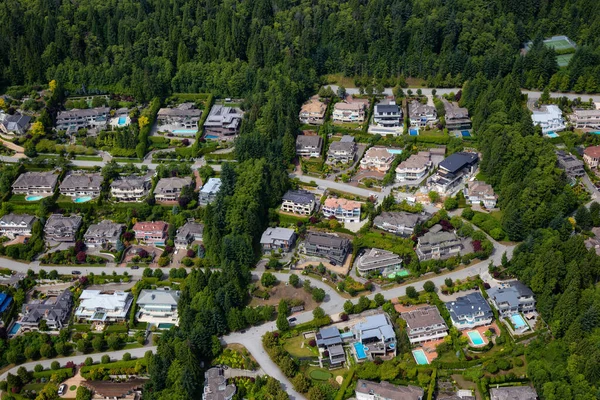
(360, 351)
(465, 133)
(413, 132)
(517, 321)
(186, 131)
(395, 151)
(552, 134)
(15, 328)
(476, 338)
(211, 137)
(122, 120)
(420, 357)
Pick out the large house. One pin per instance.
(169, 189)
(55, 311)
(298, 202)
(591, 156)
(313, 111)
(209, 191)
(570, 164)
(454, 170)
(309, 145)
(182, 119)
(131, 188)
(456, 117)
(424, 324)
(470, 311)
(188, 233)
(387, 115)
(377, 336)
(99, 306)
(421, 115)
(478, 192)
(343, 210)
(367, 390)
(158, 306)
(278, 239)
(549, 118)
(377, 159)
(35, 183)
(60, 228)
(511, 298)
(151, 232)
(329, 339)
(343, 151)
(73, 120)
(438, 245)
(215, 385)
(105, 234)
(15, 124)
(378, 260)
(13, 225)
(78, 185)
(350, 110)
(327, 246)
(223, 122)
(585, 118)
(414, 167)
(513, 393)
(398, 222)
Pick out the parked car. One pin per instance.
(293, 319)
(62, 389)
(75, 272)
(332, 263)
(135, 267)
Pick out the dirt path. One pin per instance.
(12, 146)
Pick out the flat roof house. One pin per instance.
(80, 184)
(454, 170)
(313, 111)
(387, 115)
(570, 164)
(343, 151)
(550, 118)
(216, 387)
(343, 210)
(377, 158)
(13, 225)
(158, 306)
(513, 393)
(438, 245)
(169, 189)
(377, 336)
(470, 311)
(73, 120)
(60, 228)
(309, 145)
(421, 115)
(367, 390)
(398, 222)
(456, 117)
(35, 183)
(478, 192)
(414, 167)
(424, 324)
(209, 191)
(278, 239)
(151, 232)
(99, 306)
(183, 117)
(131, 188)
(106, 234)
(223, 122)
(327, 246)
(329, 339)
(188, 233)
(591, 156)
(54, 310)
(512, 298)
(16, 124)
(298, 202)
(585, 118)
(378, 260)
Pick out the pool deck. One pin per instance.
(481, 330)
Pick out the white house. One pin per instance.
(550, 118)
(343, 210)
(480, 192)
(13, 225)
(99, 306)
(158, 306)
(424, 324)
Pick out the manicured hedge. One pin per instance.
(49, 373)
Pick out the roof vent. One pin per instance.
(153, 296)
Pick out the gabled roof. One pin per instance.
(73, 181)
(398, 218)
(309, 141)
(38, 179)
(375, 326)
(15, 122)
(592, 151)
(17, 219)
(467, 305)
(63, 223)
(174, 183)
(190, 228)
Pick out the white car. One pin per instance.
(62, 389)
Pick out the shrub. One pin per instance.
(88, 361)
(126, 357)
(492, 368)
(429, 287)
(518, 362)
(53, 366)
(38, 368)
(105, 359)
(411, 292)
(312, 342)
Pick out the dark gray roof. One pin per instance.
(50, 310)
(326, 240)
(467, 305)
(398, 218)
(61, 223)
(73, 181)
(309, 141)
(17, 219)
(329, 336)
(15, 122)
(190, 228)
(299, 196)
(510, 294)
(131, 182)
(342, 146)
(513, 393)
(347, 139)
(37, 179)
(387, 108)
(458, 161)
(386, 390)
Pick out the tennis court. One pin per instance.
(559, 43)
(563, 59)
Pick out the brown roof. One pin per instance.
(314, 106)
(150, 226)
(114, 389)
(422, 317)
(332, 202)
(388, 391)
(592, 151)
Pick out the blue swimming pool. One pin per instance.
(186, 131)
(413, 132)
(347, 335)
(595, 133)
(476, 338)
(552, 134)
(395, 151)
(517, 321)
(420, 357)
(360, 351)
(82, 199)
(33, 198)
(15, 328)
(465, 133)
(122, 120)
(211, 137)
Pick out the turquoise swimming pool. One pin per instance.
(165, 325)
(211, 137)
(33, 198)
(82, 199)
(122, 120)
(395, 151)
(413, 132)
(420, 357)
(552, 134)
(186, 131)
(15, 328)
(361, 354)
(476, 338)
(518, 321)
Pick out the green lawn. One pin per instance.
(88, 158)
(293, 346)
(134, 345)
(320, 375)
(126, 160)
